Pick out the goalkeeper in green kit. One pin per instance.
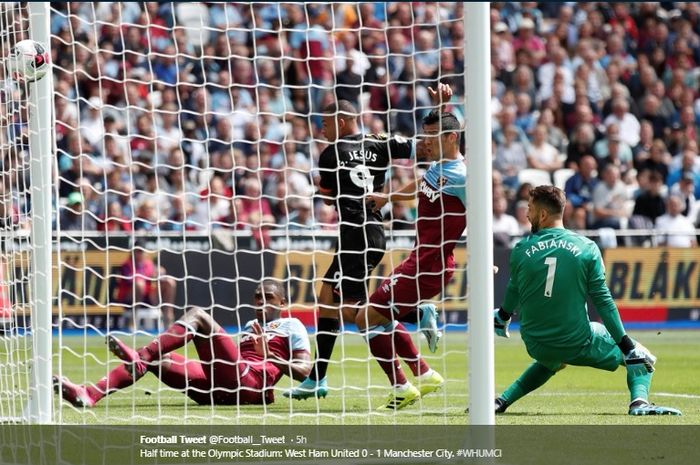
(552, 272)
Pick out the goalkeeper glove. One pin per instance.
(500, 325)
(639, 361)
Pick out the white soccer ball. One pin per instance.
(28, 61)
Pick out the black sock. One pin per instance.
(325, 340)
(411, 317)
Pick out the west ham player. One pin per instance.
(430, 266)
(553, 272)
(225, 374)
(352, 167)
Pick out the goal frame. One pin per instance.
(40, 101)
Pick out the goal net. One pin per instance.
(188, 139)
(16, 298)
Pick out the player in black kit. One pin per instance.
(353, 166)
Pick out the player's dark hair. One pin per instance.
(550, 198)
(280, 288)
(448, 122)
(343, 108)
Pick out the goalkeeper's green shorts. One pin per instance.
(600, 351)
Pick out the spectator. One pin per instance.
(609, 197)
(629, 125)
(510, 157)
(91, 124)
(557, 69)
(658, 159)
(555, 136)
(154, 190)
(528, 40)
(686, 119)
(215, 205)
(581, 144)
(521, 208)
(597, 79)
(651, 203)
(643, 148)
(666, 109)
(141, 282)
(503, 54)
(301, 217)
(255, 213)
(121, 113)
(525, 118)
(524, 82)
(505, 227)
(602, 148)
(616, 53)
(147, 216)
(349, 82)
(507, 118)
(542, 155)
(426, 57)
(181, 216)
(114, 220)
(688, 165)
(676, 230)
(579, 193)
(168, 133)
(615, 157)
(651, 107)
(74, 217)
(93, 201)
(685, 190)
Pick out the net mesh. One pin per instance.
(188, 139)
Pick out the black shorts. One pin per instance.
(358, 252)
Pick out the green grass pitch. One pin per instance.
(576, 396)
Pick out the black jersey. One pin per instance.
(356, 166)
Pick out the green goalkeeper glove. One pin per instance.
(500, 325)
(639, 361)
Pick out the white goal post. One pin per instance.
(26, 149)
(477, 52)
(42, 155)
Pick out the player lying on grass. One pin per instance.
(352, 166)
(225, 374)
(552, 272)
(428, 268)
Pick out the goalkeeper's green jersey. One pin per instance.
(552, 273)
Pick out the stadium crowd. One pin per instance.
(194, 116)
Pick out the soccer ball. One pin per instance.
(28, 61)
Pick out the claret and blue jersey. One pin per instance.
(442, 205)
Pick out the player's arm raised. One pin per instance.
(407, 192)
(441, 96)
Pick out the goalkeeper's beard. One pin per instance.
(534, 226)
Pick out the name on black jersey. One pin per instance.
(362, 155)
(429, 192)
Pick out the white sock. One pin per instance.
(426, 375)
